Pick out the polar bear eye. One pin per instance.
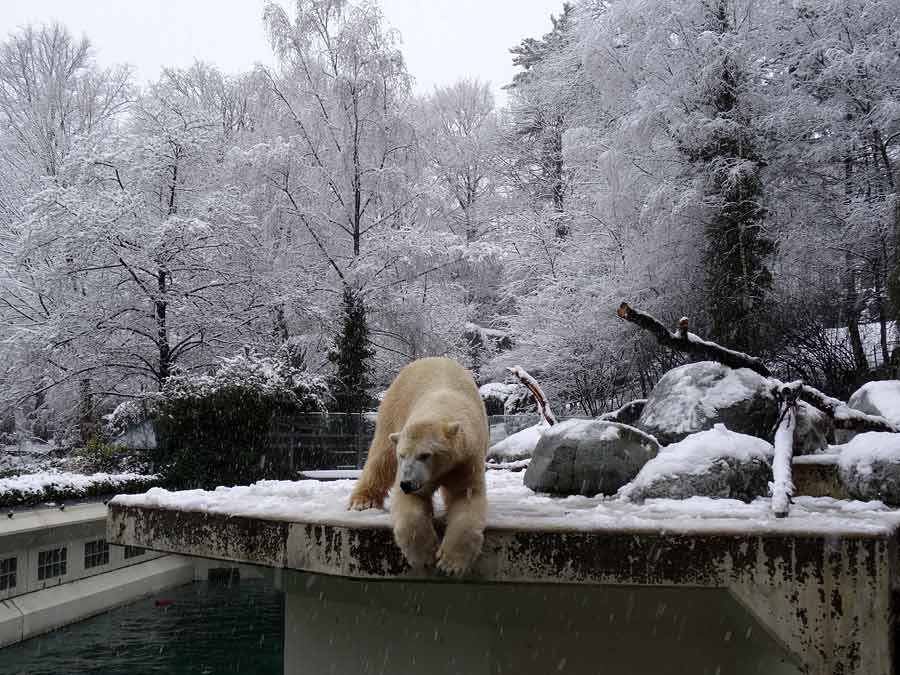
(424, 457)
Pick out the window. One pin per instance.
(51, 563)
(96, 553)
(133, 551)
(7, 573)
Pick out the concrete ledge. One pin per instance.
(826, 596)
(41, 611)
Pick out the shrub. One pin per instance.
(213, 429)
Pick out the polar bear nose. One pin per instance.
(407, 486)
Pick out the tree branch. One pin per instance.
(689, 343)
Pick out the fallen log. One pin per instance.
(782, 472)
(687, 342)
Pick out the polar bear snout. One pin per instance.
(414, 474)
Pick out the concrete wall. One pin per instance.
(30, 532)
(34, 606)
(39, 612)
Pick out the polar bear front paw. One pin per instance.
(418, 543)
(456, 555)
(361, 502)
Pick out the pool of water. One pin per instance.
(203, 628)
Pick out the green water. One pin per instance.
(207, 629)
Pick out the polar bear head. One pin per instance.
(425, 452)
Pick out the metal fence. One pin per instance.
(341, 441)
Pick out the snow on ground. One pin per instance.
(514, 506)
(38, 483)
(331, 474)
(697, 452)
(831, 457)
(868, 448)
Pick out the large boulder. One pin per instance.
(697, 396)
(869, 467)
(714, 463)
(880, 398)
(518, 446)
(588, 457)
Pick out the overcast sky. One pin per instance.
(442, 39)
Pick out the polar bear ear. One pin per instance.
(394, 438)
(452, 428)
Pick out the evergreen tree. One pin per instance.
(352, 356)
(540, 100)
(737, 280)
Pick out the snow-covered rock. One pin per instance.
(518, 446)
(697, 396)
(713, 463)
(627, 414)
(881, 398)
(496, 394)
(869, 467)
(588, 457)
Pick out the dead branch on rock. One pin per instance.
(536, 391)
(843, 416)
(689, 343)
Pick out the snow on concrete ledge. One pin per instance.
(512, 506)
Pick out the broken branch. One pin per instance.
(687, 342)
(536, 391)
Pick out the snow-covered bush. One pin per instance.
(213, 428)
(265, 376)
(128, 414)
(52, 486)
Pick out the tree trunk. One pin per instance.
(851, 311)
(162, 332)
(85, 411)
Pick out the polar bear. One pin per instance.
(431, 432)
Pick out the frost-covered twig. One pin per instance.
(783, 481)
(539, 397)
(687, 342)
